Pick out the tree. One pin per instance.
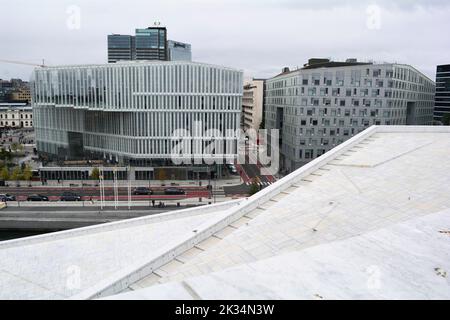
(27, 173)
(4, 174)
(5, 155)
(16, 174)
(14, 146)
(254, 187)
(95, 174)
(446, 119)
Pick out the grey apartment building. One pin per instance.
(127, 111)
(325, 103)
(442, 98)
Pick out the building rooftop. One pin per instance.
(137, 62)
(368, 219)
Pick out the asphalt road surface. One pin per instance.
(88, 193)
(44, 219)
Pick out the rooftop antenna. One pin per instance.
(157, 23)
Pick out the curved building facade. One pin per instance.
(325, 103)
(129, 110)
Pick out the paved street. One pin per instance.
(51, 218)
(93, 193)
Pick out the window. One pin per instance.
(375, 92)
(316, 79)
(340, 78)
(356, 78)
(327, 79)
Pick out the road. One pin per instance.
(62, 218)
(88, 193)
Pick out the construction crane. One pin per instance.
(24, 63)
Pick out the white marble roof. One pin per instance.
(407, 260)
(372, 206)
(63, 264)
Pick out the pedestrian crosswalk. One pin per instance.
(263, 183)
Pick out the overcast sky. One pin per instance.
(257, 36)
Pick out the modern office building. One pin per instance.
(16, 115)
(121, 47)
(179, 51)
(126, 112)
(147, 44)
(151, 44)
(252, 104)
(442, 97)
(325, 103)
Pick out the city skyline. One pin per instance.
(257, 37)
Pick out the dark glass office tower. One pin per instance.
(151, 44)
(147, 44)
(120, 47)
(442, 98)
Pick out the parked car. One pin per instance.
(142, 191)
(7, 197)
(232, 168)
(70, 196)
(174, 191)
(37, 197)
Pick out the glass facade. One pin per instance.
(130, 109)
(442, 98)
(120, 47)
(147, 44)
